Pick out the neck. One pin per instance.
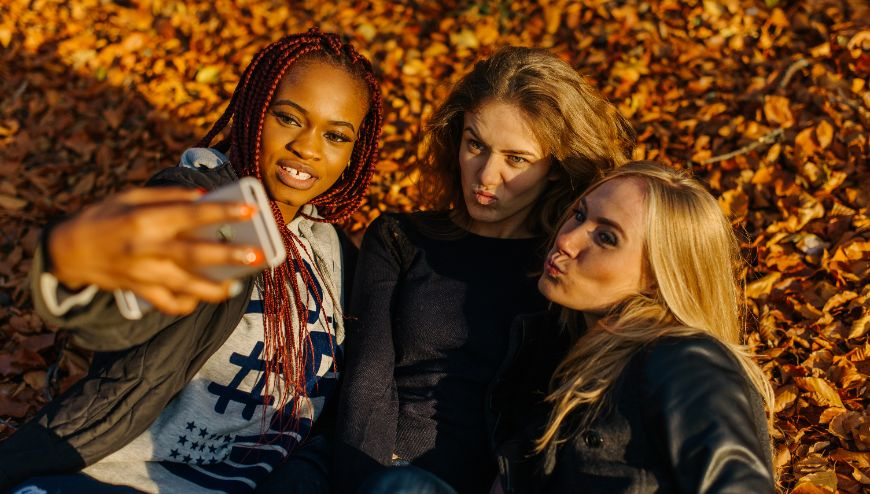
(513, 227)
(288, 212)
(590, 319)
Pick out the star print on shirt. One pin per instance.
(182, 440)
(190, 426)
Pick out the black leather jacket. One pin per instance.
(684, 418)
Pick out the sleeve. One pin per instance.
(706, 416)
(368, 406)
(90, 315)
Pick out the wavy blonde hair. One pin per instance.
(691, 258)
(584, 133)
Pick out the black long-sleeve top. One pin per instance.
(430, 315)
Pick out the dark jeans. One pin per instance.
(78, 483)
(405, 480)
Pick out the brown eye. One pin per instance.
(285, 118)
(516, 160)
(607, 238)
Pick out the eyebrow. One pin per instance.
(340, 123)
(603, 220)
(503, 151)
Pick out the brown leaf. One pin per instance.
(11, 203)
(785, 396)
(35, 379)
(860, 458)
(38, 342)
(734, 203)
(11, 407)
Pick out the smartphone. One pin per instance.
(260, 231)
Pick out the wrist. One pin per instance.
(59, 249)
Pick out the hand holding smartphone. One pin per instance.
(260, 231)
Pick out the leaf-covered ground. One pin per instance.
(766, 100)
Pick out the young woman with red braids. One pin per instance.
(214, 391)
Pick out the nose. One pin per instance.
(489, 174)
(571, 239)
(305, 145)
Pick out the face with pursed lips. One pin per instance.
(597, 258)
(309, 132)
(504, 169)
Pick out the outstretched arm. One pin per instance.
(132, 241)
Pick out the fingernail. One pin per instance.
(235, 288)
(253, 257)
(247, 210)
(201, 190)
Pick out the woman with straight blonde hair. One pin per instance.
(656, 392)
(517, 139)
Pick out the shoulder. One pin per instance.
(395, 226)
(698, 368)
(687, 352)
(198, 167)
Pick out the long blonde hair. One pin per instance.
(584, 133)
(691, 256)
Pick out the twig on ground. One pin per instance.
(768, 138)
(792, 69)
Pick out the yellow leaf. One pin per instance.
(820, 391)
(367, 31)
(824, 133)
(464, 39)
(824, 482)
(763, 286)
(208, 74)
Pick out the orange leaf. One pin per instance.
(824, 133)
(777, 111)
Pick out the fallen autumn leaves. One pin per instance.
(767, 101)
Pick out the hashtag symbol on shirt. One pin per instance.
(231, 392)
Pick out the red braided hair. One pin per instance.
(286, 351)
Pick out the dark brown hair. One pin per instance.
(574, 124)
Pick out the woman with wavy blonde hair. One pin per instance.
(656, 392)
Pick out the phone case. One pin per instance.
(260, 231)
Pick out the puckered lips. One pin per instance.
(484, 198)
(296, 175)
(552, 269)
